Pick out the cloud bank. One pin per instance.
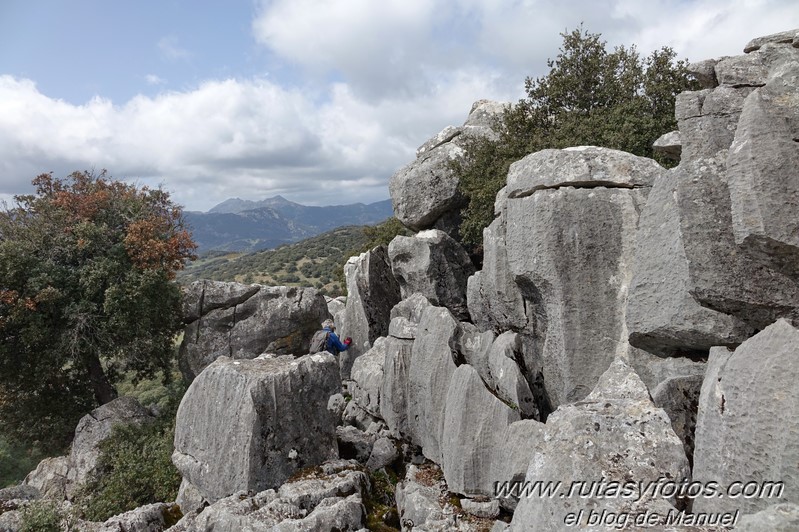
(374, 80)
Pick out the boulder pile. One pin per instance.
(626, 357)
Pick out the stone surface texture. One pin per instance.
(245, 321)
(615, 433)
(433, 264)
(747, 423)
(250, 424)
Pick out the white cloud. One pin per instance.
(152, 79)
(171, 50)
(226, 137)
(380, 78)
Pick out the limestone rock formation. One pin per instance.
(250, 424)
(425, 192)
(92, 429)
(782, 517)
(737, 184)
(244, 321)
(367, 377)
(574, 215)
(429, 374)
(614, 434)
(433, 264)
(747, 422)
(329, 497)
(50, 478)
(662, 315)
(473, 434)
(372, 293)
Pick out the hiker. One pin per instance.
(328, 340)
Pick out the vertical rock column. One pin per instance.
(571, 218)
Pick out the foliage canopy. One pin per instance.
(86, 292)
(591, 96)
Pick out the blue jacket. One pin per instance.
(334, 345)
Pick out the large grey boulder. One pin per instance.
(244, 321)
(425, 192)
(325, 498)
(707, 119)
(433, 264)
(250, 424)
(92, 430)
(747, 422)
(431, 369)
(784, 37)
(616, 434)
(662, 315)
(572, 217)
(50, 478)
(763, 169)
(494, 300)
(148, 518)
(474, 427)
(721, 277)
(580, 167)
(782, 517)
(372, 293)
(367, 377)
(394, 393)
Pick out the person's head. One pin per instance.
(328, 324)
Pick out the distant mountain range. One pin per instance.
(246, 226)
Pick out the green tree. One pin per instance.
(591, 96)
(86, 293)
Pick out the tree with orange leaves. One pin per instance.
(87, 293)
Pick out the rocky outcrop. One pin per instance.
(776, 518)
(574, 215)
(149, 518)
(425, 192)
(367, 377)
(737, 185)
(92, 429)
(433, 264)
(763, 165)
(474, 427)
(251, 424)
(50, 478)
(429, 374)
(372, 293)
(245, 321)
(616, 434)
(662, 315)
(747, 419)
(329, 497)
(494, 300)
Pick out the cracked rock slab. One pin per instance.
(244, 321)
(747, 422)
(250, 424)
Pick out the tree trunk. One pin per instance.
(104, 392)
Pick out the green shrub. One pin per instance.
(135, 467)
(41, 516)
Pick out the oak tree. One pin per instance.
(590, 96)
(87, 294)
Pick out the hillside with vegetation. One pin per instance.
(317, 261)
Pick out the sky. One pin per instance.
(320, 101)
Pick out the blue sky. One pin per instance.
(320, 101)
